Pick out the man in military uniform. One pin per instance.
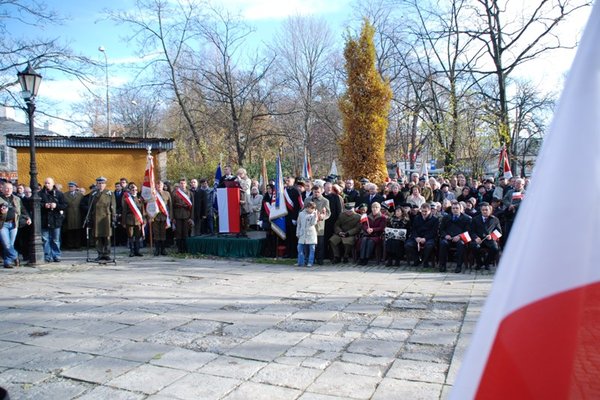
(72, 224)
(345, 230)
(132, 206)
(183, 214)
(102, 215)
(159, 224)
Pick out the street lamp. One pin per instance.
(103, 51)
(30, 83)
(143, 119)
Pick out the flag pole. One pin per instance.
(152, 188)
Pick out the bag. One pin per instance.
(395, 233)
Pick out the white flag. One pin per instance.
(333, 171)
(539, 333)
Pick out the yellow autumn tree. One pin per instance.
(364, 107)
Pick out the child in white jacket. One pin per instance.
(306, 231)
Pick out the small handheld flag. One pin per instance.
(465, 237)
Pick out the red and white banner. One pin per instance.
(465, 237)
(288, 200)
(389, 203)
(162, 207)
(504, 164)
(228, 201)
(134, 208)
(148, 188)
(181, 194)
(538, 335)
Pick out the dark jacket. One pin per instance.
(52, 218)
(366, 199)
(480, 229)
(424, 228)
(454, 228)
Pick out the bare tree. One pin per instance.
(304, 48)
(168, 27)
(514, 33)
(243, 96)
(47, 55)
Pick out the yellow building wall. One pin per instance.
(84, 165)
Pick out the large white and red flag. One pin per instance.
(148, 188)
(539, 333)
(228, 200)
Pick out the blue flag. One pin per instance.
(218, 177)
(278, 208)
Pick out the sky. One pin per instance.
(86, 28)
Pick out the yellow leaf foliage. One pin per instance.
(364, 107)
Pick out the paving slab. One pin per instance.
(182, 328)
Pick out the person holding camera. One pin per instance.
(53, 205)
(11, 209)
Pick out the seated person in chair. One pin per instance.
(372, 233)
(398, 223)
(345, 230)
(451, 228)
(422, 236)
(484, 235)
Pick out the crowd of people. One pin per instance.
(418, 219)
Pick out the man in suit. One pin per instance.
(200, 206)
(451, 227)
(512, 200)
(351, 195)
(422, 236)
(371, 196)
(291, 219)
(482, 227)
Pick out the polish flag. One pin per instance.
(148, 189)
(228, 200)
(389, 203)
(465, 237)
(504, 164)
(538, 335)
(364, 218)
(517, 196)
(496, 235)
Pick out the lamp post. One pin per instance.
(103, 51)
(143, 119)
(30, 83)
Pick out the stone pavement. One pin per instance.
(172, 328)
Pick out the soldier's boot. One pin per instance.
(136, 248)
(163, 249)
(130, 244)
(156, 248)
